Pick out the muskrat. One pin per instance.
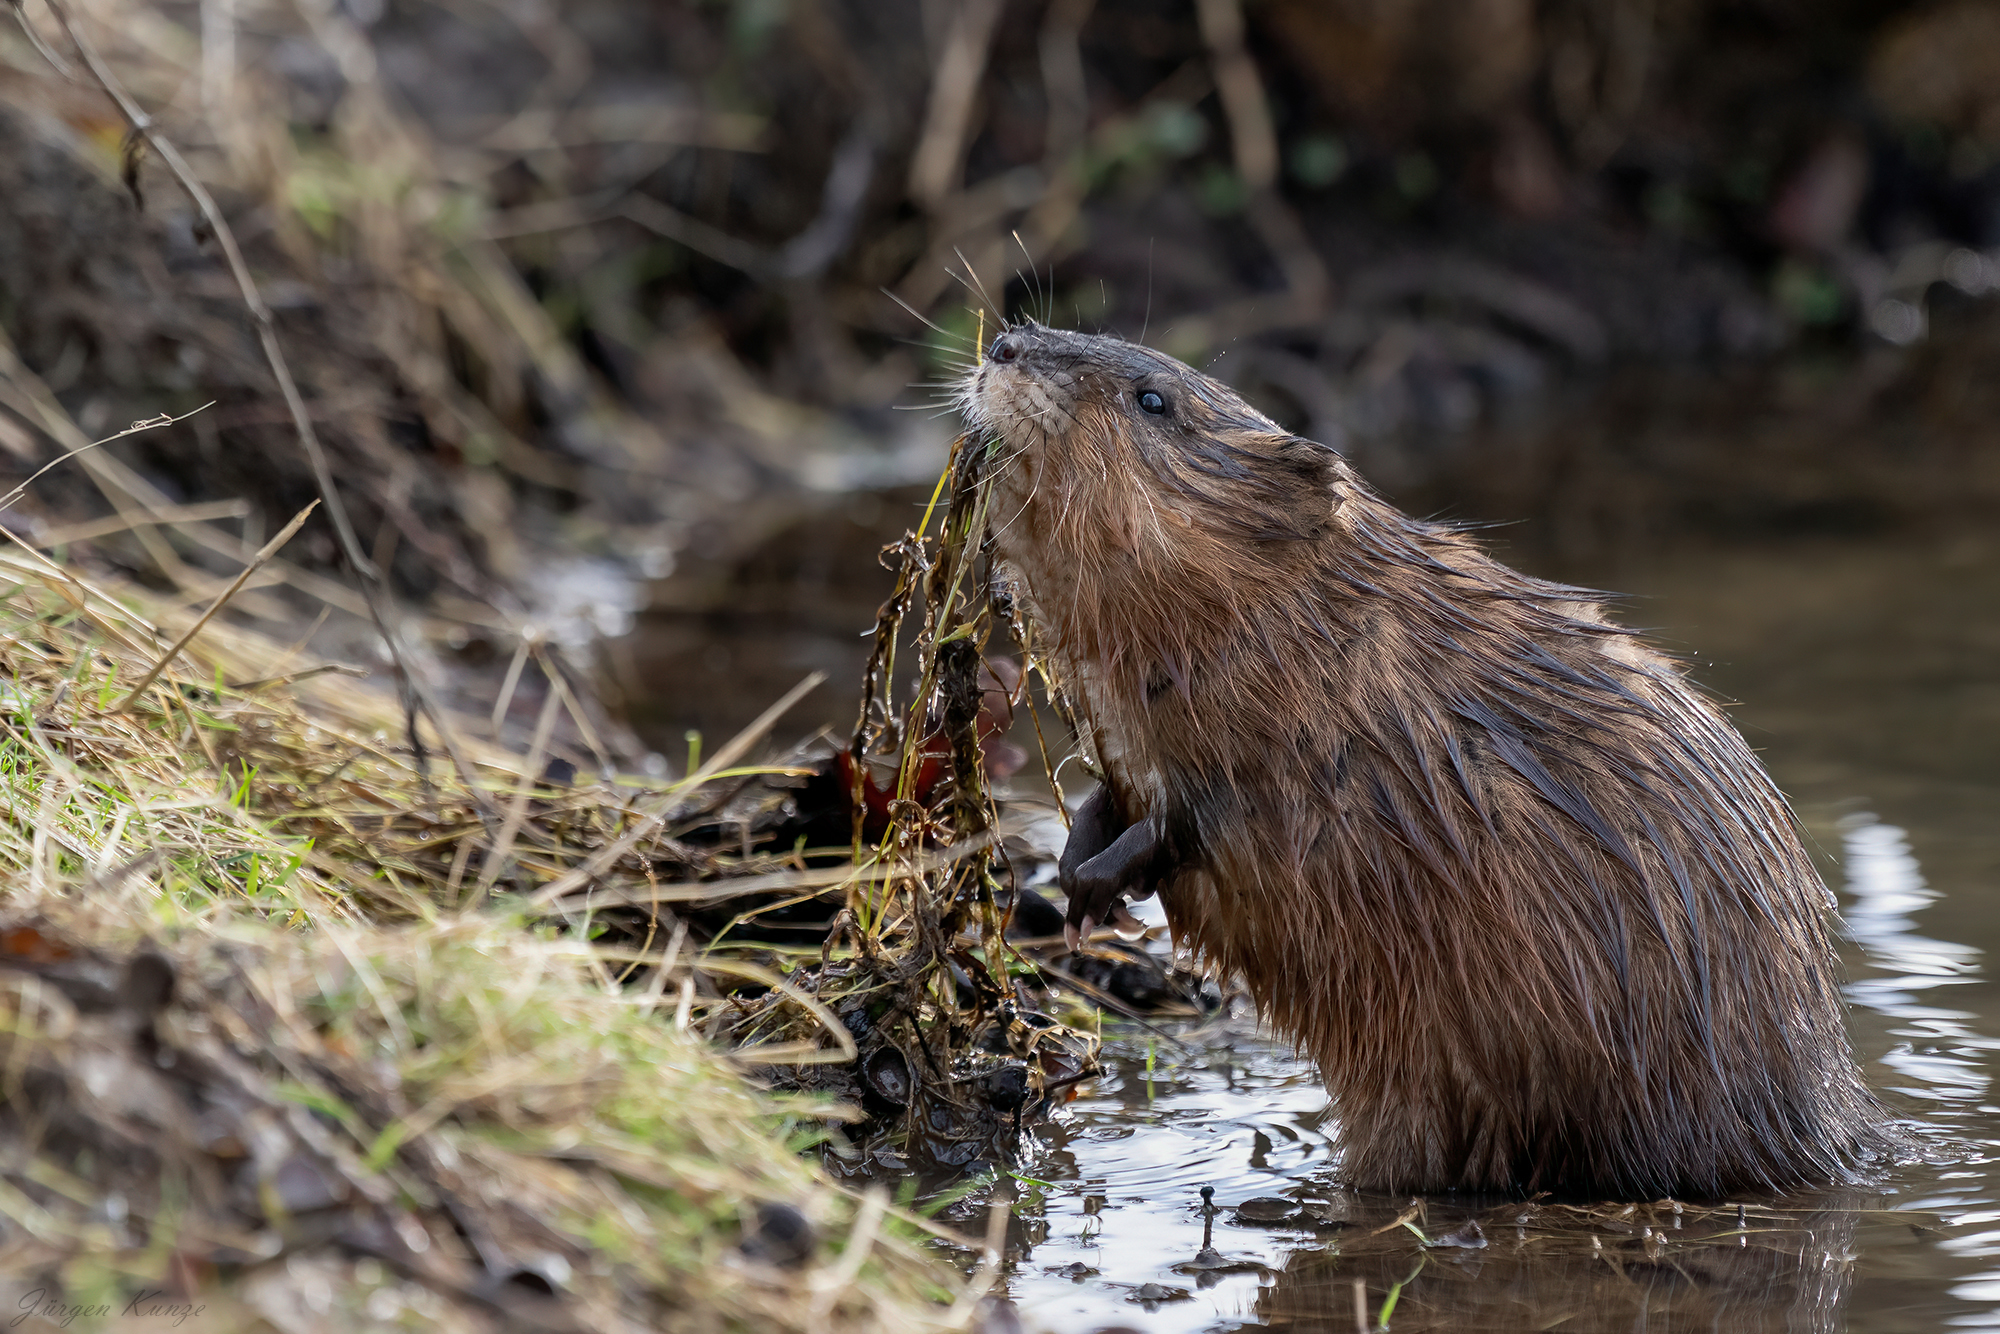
(1515, 884)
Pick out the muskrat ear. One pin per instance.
(1297, 476)
(1311, 462)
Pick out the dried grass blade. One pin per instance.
(72, 590)
(656, 817)
(505, 699)
(790, 1053)
(710, 892)
(517, 811)
(739, 745)
(992, 1254)
(198, 513)
(151, 423)
(270, 549)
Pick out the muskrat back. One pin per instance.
(1522, 892)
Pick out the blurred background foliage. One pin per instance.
(620, 314)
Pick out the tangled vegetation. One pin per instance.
(273, 1045)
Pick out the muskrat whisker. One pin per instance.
(926, 320)
(1048, 300)
(972, 283)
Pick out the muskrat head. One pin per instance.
(1138, 451)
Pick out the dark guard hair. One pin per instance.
(1529, 900)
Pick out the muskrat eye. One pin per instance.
(1153, 401)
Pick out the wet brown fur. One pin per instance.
(1527, 898)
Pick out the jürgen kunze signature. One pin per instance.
(147, 1304)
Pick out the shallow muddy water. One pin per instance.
(1867, 676)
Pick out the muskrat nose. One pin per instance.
(1007, 347)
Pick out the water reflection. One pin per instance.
(1887, 886)
(1939, 1050)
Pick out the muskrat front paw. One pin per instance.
(1122, 921)
(1098, 887)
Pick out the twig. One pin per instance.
(1252, 141)
(151, 423)
(695, 234)
(976, 208)
(364, 569)
(292, 678)
(1062, 79)
(256, 563)
(807, 254)
(56, 62)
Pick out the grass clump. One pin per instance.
(270, 1046)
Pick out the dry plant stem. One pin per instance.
(271, 548)
(305, 674)
(972, 213)
(663, 809)
(1254, 147)
(505, 699)
(138, 503)
(933, 903)
(253, 299)
(125, 489)
(198, 513)
(656, 988)
(710, 892)
(788, 1053)
(152, 423)
(1252, 140)
(691, 232)
(496, 855)
(867, 1223)
(955, 83)
(72, 591)
(557, 672)
(267, 334)
(56, 62)
(1062, 76)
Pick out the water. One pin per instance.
(1866, 675)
